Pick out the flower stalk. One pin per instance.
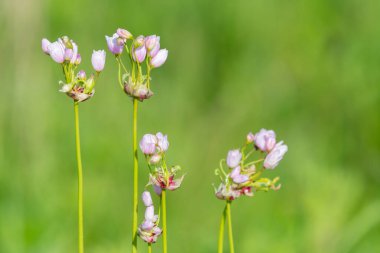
(80, 180)
(221, 231)
(229, 224)
(164, 228)
(135, 178)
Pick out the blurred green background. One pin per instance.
(309, 69)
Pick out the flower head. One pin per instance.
(148, 229)
(76, 85)
(243, 177)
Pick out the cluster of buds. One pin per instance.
(243, 176)
(161, 176)
(65, 52)
(149, 230)
(140, 49)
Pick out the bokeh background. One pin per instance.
(309, 69)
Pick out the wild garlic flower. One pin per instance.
(65, 52)
(148, 229)
(140, 50)
(161, 176)
(240, 173)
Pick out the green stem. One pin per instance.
(135, 178)
(119, 74)
(230, 235)
(164, 229)
(80, 181)
(221, 231)
(149, 248)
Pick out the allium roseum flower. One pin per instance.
(233, 158)
(151, 41)
(141, 51)
(250, 137)
(139, 54)
(113, 45)
(265, 140)
(124, 34)
(153, 52)
(148, 144)
(65, 52)
(159, 59)
(98, 60)
(147, 199)
(162, 176)
(243, 176)
(275, 156)
(149, 230)
(57, 52)
(45, 44)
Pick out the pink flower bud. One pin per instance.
(139, 41)
(75, 52)
(113, 45)
(265, 140)
(250, 137)
(237, 177)
(139, 54)
(124, 34)
(149, 213)
(151, 41)
(68, 54)
(156, 48)
(45, 44)
(57, 52)
(147, 199)
(90, 83)
(156, 158)
(78, 59)
(81, 75)
(163, 142)
(159, 58)
(98, 60)
(148, 144)
(275, 156)
(147, 225)
(233, 158)
(157, 189)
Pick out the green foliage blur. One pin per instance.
(309, 69)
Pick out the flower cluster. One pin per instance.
(140, 49)
(65, 52)
(149, 230)
(244, 173)
(161, 176)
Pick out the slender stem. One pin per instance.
(80, 181)
(119, 74)
(135, 178)
(230, 235)
(221, 230)
(149, 248)
(164, 229)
